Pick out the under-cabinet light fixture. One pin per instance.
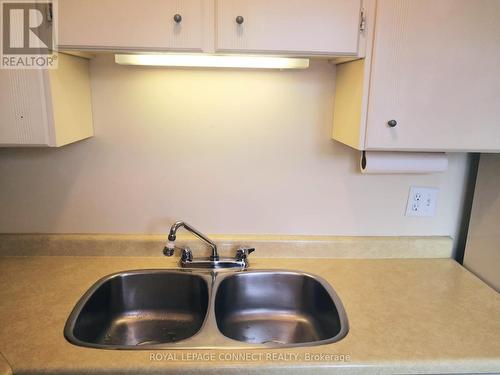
(213, 61)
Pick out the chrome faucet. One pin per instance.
(170, 246)
(213, 261)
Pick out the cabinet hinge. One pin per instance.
(362, 20)
(50, 13)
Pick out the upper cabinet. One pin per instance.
(430, 80)
(133, 24)
(314, 27)
(46, 107)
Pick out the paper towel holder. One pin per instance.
(363, 160)
(402, 162)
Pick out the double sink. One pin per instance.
(205, 309)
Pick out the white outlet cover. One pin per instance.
(422, 201)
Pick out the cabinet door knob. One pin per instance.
(239, 20)
(392, 123)
(177, 18)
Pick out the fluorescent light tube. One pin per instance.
(213, 61)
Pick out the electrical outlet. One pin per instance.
(422, 201)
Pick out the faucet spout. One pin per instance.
(169, 248)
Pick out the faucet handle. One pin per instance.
(186, 255)
(243, 252)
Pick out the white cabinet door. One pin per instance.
(436, 72)
(132, 24)
(23, 108)
(40, 107)
(322, 27)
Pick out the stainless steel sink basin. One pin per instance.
(140, 308)
(277, 307)
(205, 309)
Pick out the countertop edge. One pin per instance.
(267, 246)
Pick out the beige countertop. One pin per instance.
(405, 315)
(4, 366)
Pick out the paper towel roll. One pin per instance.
(384, 162)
